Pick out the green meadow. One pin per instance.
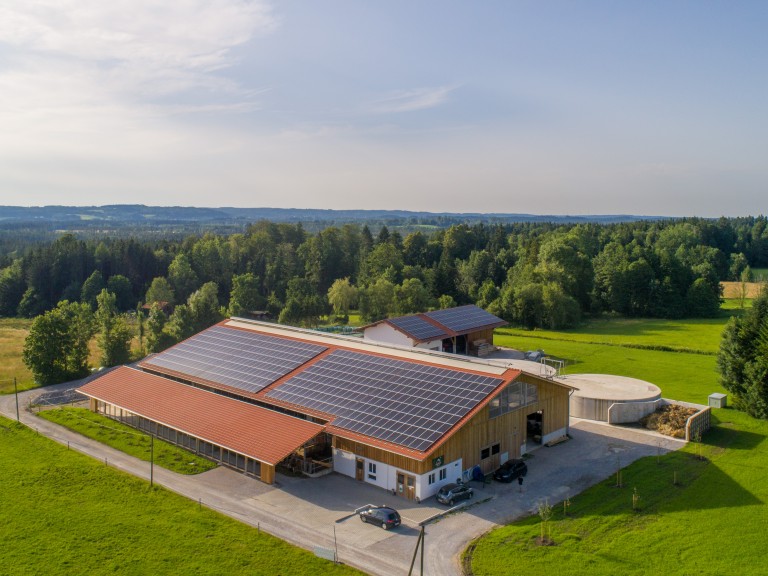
(64, 513)
(701, 510)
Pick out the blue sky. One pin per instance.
(652, 107)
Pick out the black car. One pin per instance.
(381, 516)
(510, 470)
(451, 493)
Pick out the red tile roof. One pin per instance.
(250, 430)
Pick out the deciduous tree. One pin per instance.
(56, 349)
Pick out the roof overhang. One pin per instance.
(253, 431)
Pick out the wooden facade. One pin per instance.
(504, 434)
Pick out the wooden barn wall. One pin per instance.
(486, 335)
(363, 450)
(480, 432)
(508, 430)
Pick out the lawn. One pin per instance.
(679, 356)
(678, 529)
(63, 513)
(127, 439)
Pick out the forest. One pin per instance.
(532, 274)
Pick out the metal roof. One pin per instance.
(261, 434)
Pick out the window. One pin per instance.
(371, 471)
(443, 474)
(515, 395)
(485, 453)
(431, 478)
(495, 449)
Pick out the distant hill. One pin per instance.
(138, 214)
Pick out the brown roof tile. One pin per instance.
(250, 430)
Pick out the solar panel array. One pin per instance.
(464, 318)
(418, 328)
(243, 360)
(408, 404)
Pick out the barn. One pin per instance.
(460, 330)
(264, 398)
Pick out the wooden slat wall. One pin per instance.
(267, 473)
(402, 462)
(508, 430)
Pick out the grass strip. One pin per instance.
(127, 439)
(657, 347)
(62, 513)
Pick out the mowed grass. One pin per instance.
(63, 513)
(679, 356)
(128, 440)
(711, 522)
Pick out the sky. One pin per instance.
(515, 106)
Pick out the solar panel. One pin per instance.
(464, 318)
(243, 360)
(418, 328)
(408, 404)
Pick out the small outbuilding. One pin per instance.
(460, 330)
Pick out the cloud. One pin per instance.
(134, 49)
(412, 100)
(118, 78)
(185, 34)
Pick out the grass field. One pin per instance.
(127, 439)
(760, 274)
(13, 331)
(64, 513)
(712, 522)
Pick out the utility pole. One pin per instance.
(419, 542)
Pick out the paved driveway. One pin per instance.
(319, 512)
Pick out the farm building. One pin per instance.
(461, 330)
(261, 397)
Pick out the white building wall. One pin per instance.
(431, 345)
(453, 472)
(385, 476)
(344, 462)
(387, 334)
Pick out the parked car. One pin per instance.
(510, 470)
(451, 493)
(381, 516)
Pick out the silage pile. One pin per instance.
(669, 420)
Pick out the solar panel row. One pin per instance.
(464, 318)
(242, 360)
(418, 328)
(408, 404)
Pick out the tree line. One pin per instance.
(532, 274)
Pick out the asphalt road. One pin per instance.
(319, 512)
